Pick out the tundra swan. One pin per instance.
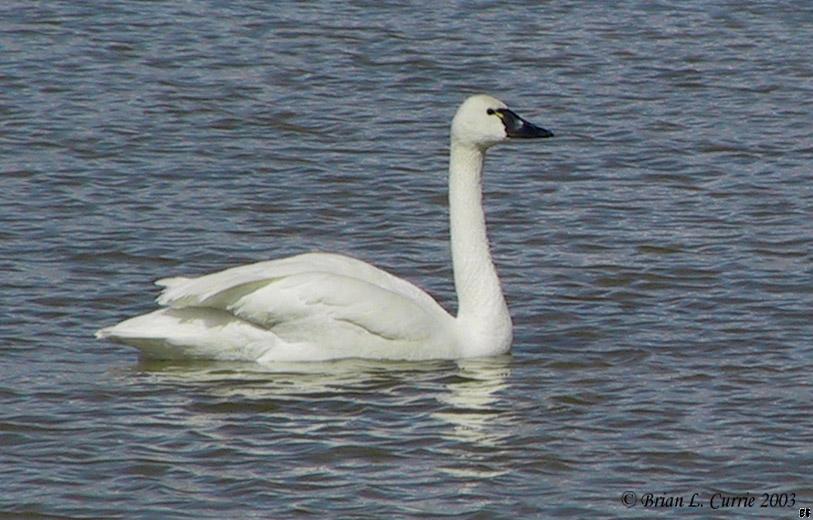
(319, 306)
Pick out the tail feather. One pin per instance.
(192, 333)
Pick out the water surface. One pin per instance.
(656, 255)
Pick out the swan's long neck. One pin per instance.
(481, 305)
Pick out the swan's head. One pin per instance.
(483, 121)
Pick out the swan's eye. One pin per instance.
(490, 112)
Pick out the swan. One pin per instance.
(322, 306)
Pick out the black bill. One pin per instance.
(517, 127)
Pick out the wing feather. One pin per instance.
(332, 297)
(327, 291)
(217, 288)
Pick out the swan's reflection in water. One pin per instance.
(295, 379)
(463, 402)
(473, 397)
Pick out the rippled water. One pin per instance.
(656, 255)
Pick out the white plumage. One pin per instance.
(322, 306)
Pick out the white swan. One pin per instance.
(320, 306)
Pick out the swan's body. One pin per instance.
(321, 306)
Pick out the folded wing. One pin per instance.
(328, 305)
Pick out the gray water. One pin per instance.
(656, 256)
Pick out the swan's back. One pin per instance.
(215, 289)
